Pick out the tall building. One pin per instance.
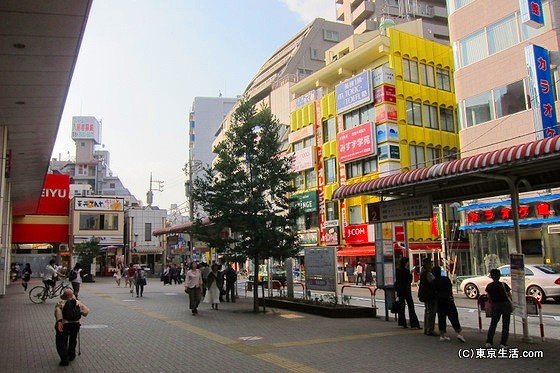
(90, 172)
(368, 15)
(298, 58)
(385, 105)
(506, 83)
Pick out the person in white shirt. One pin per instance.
(50, 274)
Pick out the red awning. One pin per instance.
(492, 160)
(357, 251)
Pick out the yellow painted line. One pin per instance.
(288, 364)
(338, 339)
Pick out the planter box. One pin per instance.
(321, 310)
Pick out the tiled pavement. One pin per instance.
(156, 333)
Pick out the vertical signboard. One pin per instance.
(320, 268)
(517, 266)
(531, 13)
(538, 63)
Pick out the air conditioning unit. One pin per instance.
(62, 247)
(554, 229)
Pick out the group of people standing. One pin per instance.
(435, 291)
(209, 283)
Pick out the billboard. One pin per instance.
(55, 197)
(354, 92)
(357, 142)
(86, 128)
(99, 204)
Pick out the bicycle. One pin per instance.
(40, 293)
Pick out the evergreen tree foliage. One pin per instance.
(246, 192)
(87, 252)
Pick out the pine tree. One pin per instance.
(247, 192)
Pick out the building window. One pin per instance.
(427, 74)
(510, 99)
(111, 185)
(330, 170)
(410, 70)
(433, 156)
(502, 35)
(413, 113)
(449, 155)
(361, 167)
(417, 157)
(446, 119)
(478, 109)
(355, 215)
(330, 35)
(332, 210)
(297, 145)
(473, 48)
(315, 55)
(310, 178)
(430, 116)
(304, 71)
(147, 231)
(359, 116)
(329, 129)
(99, 222)
(443, 79)
(299, 181)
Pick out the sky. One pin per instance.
(142, 62)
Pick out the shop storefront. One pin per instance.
(491, 236)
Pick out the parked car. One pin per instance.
(541, 281)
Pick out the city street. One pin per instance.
(156, 333)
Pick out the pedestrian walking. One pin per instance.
(193, 287)
(499, 294)
(369, 275)
(26, 276)
(140, 281)
(230, 277)
(205, 270)
(68, 312)
(359, 274)
(130, 273)
(427, 295)
(214, 284)
(118, 275)
(446, 305)
(75, 278)
(403, 281)
(167, 275)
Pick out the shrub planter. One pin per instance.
(334, 311)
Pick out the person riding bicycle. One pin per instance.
(50, 274)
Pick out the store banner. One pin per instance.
(55, 198)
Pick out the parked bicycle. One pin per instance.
(40, 293)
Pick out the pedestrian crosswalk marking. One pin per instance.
(251, 338)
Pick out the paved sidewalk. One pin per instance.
(156, 333)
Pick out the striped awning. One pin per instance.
(537, 162)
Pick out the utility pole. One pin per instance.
(150, 194)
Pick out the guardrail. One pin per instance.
(371, 291)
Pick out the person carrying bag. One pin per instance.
(499, 295)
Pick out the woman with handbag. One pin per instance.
(499, 294)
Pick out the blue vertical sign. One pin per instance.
(531, 13)
(540, 76)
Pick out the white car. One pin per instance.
(541, 281)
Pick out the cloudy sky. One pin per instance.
(142, 62)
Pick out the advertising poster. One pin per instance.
(320, 268)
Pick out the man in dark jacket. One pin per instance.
(230, 277)
(426, 294)
(404, 293)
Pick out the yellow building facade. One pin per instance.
(383, 104)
